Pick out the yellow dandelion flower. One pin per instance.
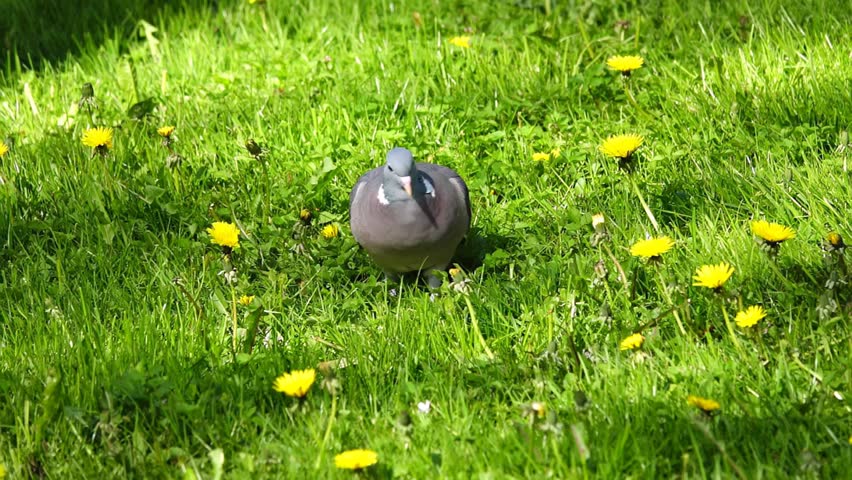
(224, 234)
(834, 239)
(750, 316)
(598, 220)
(625, 63)
(296, 383)
(539, 409)
(304, 215)
(462, 41)
(246, 300)
(621, 146)
(98, 138)
(652, 247)
(632, 342)
(4, 149)
(455, 272)
(834, 242)
(772, 232)
(713, 276)
(330, 231)
(704, 404)
(541, 157)
(356, 459)
(166, 131)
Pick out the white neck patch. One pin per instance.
(381, 196)
(430, 190)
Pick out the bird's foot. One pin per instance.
(434, 281)
(391, 277)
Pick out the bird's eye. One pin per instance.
(390, 168)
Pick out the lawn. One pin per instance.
(553, 352)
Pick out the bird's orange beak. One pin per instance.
(406, 184)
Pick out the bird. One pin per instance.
(410, 216)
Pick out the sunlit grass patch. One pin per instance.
(177, 260)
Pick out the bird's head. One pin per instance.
(400, 175)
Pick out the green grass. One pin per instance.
(112, 368)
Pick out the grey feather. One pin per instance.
(412, 232)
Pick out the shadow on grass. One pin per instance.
(661, 439)
(794, 439)
(471, 253)
(46, 31)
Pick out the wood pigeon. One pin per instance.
(408, 216)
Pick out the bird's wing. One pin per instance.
(440, 173)
(360, 183)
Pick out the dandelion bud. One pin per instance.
(87, 91)
(87, 96)
(253, 148)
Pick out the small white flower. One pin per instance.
(230, 276)
(461, 286)
(66, 120)
(424, 407)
